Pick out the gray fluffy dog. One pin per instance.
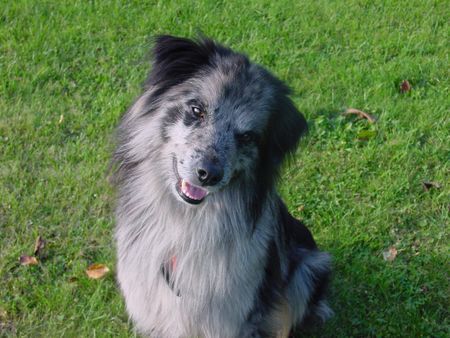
(206, 247)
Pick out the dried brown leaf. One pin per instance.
(28, 260)
(427, 185)
(361, 114)
(405, 86)
(390, 254)
(97, 271)
(39, 246)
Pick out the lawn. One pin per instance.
(69, 69)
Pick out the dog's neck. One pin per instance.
(221, 219)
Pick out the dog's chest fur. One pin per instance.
(217, 274)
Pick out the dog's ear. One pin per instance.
(286, 125)
(177, 59)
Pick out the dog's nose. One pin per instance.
(209, 174)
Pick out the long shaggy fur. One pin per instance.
(233, 263)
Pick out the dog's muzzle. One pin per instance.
(190, 193)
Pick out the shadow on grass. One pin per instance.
(373, 297)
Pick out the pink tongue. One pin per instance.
(193, 192)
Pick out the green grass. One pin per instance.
(85, 61)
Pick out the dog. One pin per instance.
(205, 245)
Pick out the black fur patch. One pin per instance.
(175, 60)
(297, 234)
(300, 242)
(286, 126)
(166, 271)
(297, 237)
(171, 117)
(268, 295)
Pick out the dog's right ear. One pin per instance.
(176, 59)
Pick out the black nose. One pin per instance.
(209, 174)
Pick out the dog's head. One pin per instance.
(222, 119)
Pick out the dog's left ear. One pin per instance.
(285, 128)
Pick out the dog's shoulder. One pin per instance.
(296, 234)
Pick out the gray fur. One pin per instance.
(221, 248)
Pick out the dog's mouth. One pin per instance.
(190, 193)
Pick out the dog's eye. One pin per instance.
(199, 113)
(246, 138)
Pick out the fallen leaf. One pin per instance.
(61, 119)
(405, 86)
(361, 114)
(390, 254)
(300, 208)
(39, 246)
(427, 185)
(28, 260)
(365, 135)
(97, 271)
